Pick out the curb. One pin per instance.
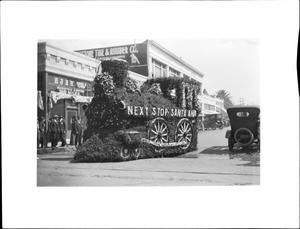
(68, 149)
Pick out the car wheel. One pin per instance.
(243, 136)
(230, 144)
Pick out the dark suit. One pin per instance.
(42, 127)
(54, 132)
(74, 132)
(80, 129)
(62, 132)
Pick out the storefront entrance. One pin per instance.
(70, 113)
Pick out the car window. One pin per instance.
(242, 114)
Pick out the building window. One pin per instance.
(173, 72)
(158, 69)
(187, 77)
(209, 107)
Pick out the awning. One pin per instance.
(77, 98)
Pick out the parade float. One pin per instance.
(126, 121)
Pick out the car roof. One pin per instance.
(254, 111)
(243, 107)
(211, 114)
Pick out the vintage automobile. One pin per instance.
(245, 127)
(212, 121)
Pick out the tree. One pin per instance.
(225, 95)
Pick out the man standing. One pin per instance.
(62, 130)
(80, 129)
(74, 131)
(54, 131)
(42, 127)
(49, 132)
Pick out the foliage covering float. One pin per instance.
(108, 124)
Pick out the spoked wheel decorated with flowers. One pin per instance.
(158, 131)
(125, 153)
(184, 132)
(136, 152)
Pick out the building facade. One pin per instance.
(147, 60)
(210, 104)
(64, 83)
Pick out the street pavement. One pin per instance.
(211, 164)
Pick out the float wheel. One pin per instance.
(125, 153)
(136, 152)
(158, 131)
(184, 132)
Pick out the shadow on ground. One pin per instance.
(220, 150)
(252, 155)
(57, 159)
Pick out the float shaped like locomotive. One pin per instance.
(128, 121)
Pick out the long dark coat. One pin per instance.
(62, 126)
(75, 127)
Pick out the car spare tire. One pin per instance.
(243, 136)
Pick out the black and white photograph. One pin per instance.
(137, 114)
(150, 114)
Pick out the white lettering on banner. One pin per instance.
(146, 110)
(118, 51)
(81, 84)
(87, 52)
(71, 83)
(99, 52)
(133, 49)
(162, 112)
(130, 110)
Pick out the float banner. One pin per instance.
(159, 112)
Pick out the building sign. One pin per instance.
(159, 112)
(69, 86)
(134, 54)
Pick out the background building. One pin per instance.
(210, 104)
(64, 83)
(146, 60)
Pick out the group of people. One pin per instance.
(56, 132)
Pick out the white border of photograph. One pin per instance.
(274, 203)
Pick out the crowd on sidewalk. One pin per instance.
(56, 132)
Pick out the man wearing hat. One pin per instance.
(62, 130)
(54, 134)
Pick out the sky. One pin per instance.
(228, 64)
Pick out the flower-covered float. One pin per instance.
(126, 121)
